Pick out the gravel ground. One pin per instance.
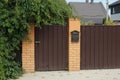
(108, 74)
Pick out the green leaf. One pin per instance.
(10, 31)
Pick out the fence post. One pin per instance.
(74, 47)
(28, 54)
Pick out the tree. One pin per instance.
(46, 12)
(15, 16)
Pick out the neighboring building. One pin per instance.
(89, 11)
(115, 11)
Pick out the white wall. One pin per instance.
(115, 17)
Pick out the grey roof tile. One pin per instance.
(89, 11)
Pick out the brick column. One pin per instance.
(28, 62)
(74, 47)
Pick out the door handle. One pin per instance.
(37, 42)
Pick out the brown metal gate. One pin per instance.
(51, 48)
(100, 47)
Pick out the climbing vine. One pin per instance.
(15, 16)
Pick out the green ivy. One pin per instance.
(15, 16)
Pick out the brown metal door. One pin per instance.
(100, 47)
(51, 48)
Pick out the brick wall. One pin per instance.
(74, 47)
(28, 63)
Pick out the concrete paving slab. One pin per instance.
(107, 74)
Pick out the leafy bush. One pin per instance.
(15, 16)
(2, 76)
(108, 22)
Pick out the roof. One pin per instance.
(115, 3)
(89, 11)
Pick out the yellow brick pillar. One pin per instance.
(28, 55)
(74, 47)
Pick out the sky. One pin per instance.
(103, 1)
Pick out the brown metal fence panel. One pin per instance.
(51, 48)
(100, 47)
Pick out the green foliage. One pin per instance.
(2, 76)
(12, 69)
(108, 22)
(15, 16)
(88, 23)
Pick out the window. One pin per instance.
(115, 9)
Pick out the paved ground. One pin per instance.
(109, 74)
